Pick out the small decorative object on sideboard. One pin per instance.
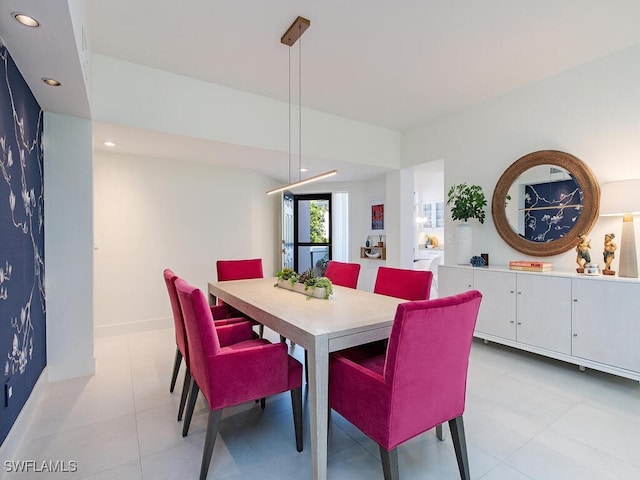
(380, 242)
(583, 256)
(530, 266)
(609, 253)
(592, 269)
(477, 261)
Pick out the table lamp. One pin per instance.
(622, 198)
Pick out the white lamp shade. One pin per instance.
(618, 198)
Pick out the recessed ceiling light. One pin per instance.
(52, 82)
(26, 20)
(109, 143)
(304, 169)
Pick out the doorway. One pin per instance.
(312, 232)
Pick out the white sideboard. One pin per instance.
(590, 321)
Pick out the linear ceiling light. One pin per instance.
(290, 37)
(320, 176)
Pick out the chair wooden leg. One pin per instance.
(306, 367)
(389, 463)
(263, 403)
(190, 407)
(213, 426)
(261, 331)
(460, 445)
(296, 405)
(176, 368)
(185, 393)
(440, 433)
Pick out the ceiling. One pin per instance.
(394, 66)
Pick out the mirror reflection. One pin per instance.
(543, 203)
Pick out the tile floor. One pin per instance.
(527, 418)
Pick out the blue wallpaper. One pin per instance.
(22, 298)
(551, 209)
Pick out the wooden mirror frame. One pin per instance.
(590, 205)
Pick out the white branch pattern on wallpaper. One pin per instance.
(22, 216)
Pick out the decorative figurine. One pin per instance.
(583, 257)
(609, 253)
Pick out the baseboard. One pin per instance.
(12, 443)
(133, 327)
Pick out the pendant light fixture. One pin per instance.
(290, 37)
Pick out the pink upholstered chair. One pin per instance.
(227, 334)
(232, 375)
(403, 283)
(417, 384)
(343, 274)
(239, 270)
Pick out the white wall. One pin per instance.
(68, 238)
(151, 214)
(128, 94)
(592, 112)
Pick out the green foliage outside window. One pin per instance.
(318, 227)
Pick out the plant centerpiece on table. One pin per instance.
(287, 274)
(466, 202)
(306, 282)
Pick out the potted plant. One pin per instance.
(307, 283)
(466, 202)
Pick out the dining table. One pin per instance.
(348, 318)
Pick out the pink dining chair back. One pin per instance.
(178, 322)
(343, 274)
(201, 332)
(239, 269)
(403, 283)
(435, 335)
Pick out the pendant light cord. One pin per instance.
(289, 171)
(300, 109)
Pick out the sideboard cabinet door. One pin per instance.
(544, 312)
(606, 322)
(453, 280)
(497, 315)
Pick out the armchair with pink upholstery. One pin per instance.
(235, 374)
(343, 274)
(237, 270)
(403, 283)
(227, 334)
(418, 383)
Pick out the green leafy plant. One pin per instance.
(318, 282)
(321, 265)
(308, 279)
(287, 274)
(467, 201)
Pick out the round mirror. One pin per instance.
(543, 201)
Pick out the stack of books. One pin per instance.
(530, 266)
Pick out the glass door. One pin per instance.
(312, 232)
(287, 230)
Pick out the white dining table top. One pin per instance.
(347, 310)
